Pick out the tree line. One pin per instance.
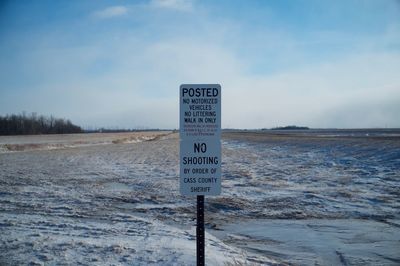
(24, 124)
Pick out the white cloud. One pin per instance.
(181, 5)
(110, 12)
(140, 76)
(142, 90)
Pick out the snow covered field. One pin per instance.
(113, 199)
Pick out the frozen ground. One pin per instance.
(99, 204)
(313, 197)
(43, 142)
(302, 198)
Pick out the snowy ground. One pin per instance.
(303, 199)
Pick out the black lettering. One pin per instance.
(184, 91)
(200, 160)
(215, 92)
(200, 92)
(200, 189)
(200, 147)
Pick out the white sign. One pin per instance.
(200, 167)
(200, 139)
(200, 111)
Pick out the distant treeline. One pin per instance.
(290, 128)
(33, 124)
(112, 130)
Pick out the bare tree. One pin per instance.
(33, 124)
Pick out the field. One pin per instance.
(302, 198)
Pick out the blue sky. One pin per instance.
(120, 63)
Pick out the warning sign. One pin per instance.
(200, 139)
(200, 167)
(200, 111)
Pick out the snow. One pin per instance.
(116, 240)
(114, 199)
(48, 142)
(112, 204)
(318, 241)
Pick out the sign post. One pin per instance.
(200, 148)
(200, 247)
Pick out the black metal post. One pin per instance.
(200, 231)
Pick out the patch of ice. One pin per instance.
(134, 240)
(317, 242)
